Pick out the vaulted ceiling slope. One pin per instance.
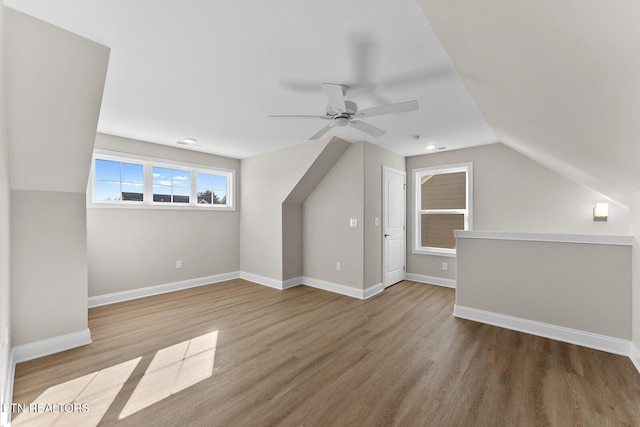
(215, 71)
(557, 81)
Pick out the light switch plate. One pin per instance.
(354, 222)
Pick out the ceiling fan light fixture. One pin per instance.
(341, 121)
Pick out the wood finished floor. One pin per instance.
(309, 357)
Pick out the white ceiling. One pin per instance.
(214, 71)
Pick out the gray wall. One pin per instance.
(513, 193)
(327, 236)
(55, 81)
(5, 206)
(374, 159)
(48, 264)
(351, 189)
(579, 286)
(136, 248)
(267, 180)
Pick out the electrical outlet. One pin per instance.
(179, 263)
(445, 266)
(338, 266)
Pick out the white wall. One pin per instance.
(136, 248)
(635, 232)
(5, 206)
(55, 81)
(513, 193)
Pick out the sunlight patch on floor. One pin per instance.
(81, 401)
(173, 369)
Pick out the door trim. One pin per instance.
(385, 170)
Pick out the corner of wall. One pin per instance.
(634, 230)
(6, 362)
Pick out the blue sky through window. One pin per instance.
(171, 185)
(216, 184)
(118, 180)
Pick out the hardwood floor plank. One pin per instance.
(309, 357)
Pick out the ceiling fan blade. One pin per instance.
(400, 107)
(366, 128)
(298, 116)
(335, 93)
(321, 131)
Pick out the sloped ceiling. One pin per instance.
(214, 71)
(54, 85)
(558, 81)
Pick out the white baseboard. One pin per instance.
(5, 416)
(373, 290)
(262, 280)
(290, 283)
(115, 297)
(313, 283)
(34, 350)
(634, 355)
(333, 287)
(559, 333)
(431, 280)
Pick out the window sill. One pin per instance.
(160, 206)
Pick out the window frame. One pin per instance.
(418, 173)
(147, 200)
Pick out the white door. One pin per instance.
(393, 211)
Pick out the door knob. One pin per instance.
(387, 235)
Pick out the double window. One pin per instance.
(136, 181)
(442, 200)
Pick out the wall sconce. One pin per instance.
(601, 212)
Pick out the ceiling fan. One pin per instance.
(341, 112)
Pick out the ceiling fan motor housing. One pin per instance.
(352, 108)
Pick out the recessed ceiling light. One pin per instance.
(188, 141)
(431, 147)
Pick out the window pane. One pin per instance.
(219, 198)
(181, 194)
(212, 189)
(161, 176)
(437, 230)
(180, 178)
(205, 182)
(220, 183)
(132, 191)
(132, 172)
(161, 193)
(107, 191)
(106, 170)
(171, 185)
(444, 191)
